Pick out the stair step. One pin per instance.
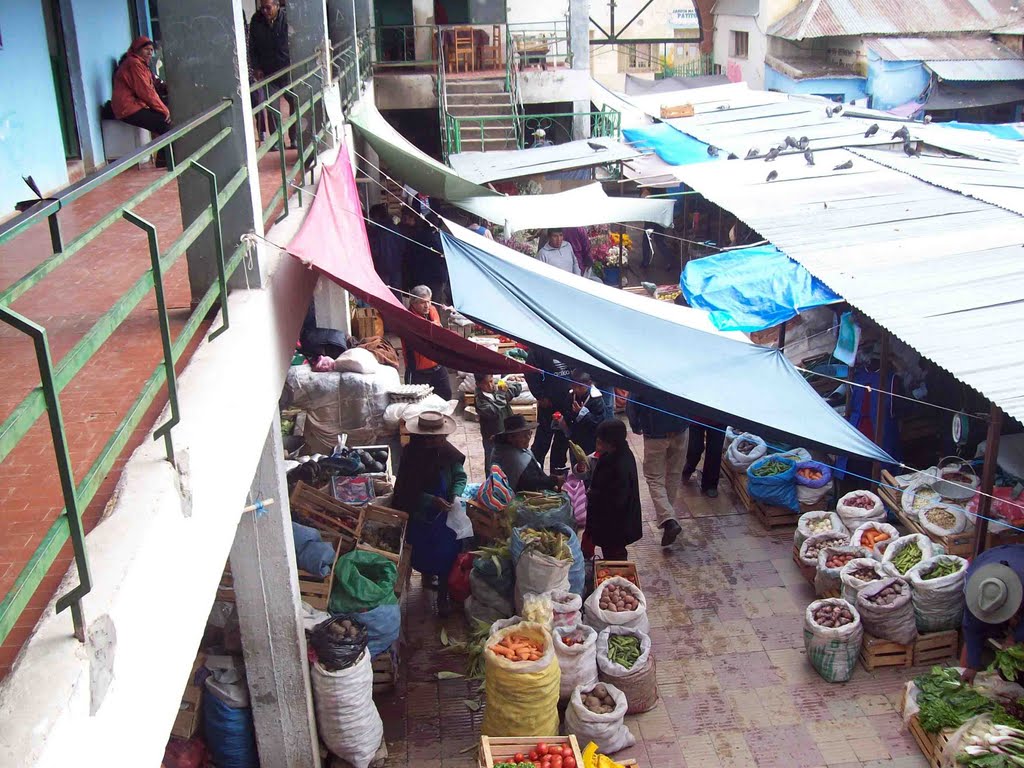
(490, 145)
(475, 86)
(480, 110)
(470, 99)
(490, 129)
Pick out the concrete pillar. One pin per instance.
(204, 56)
(307, 28)
(423, 14)
(579, 44)
(341, 23)
(267, 597)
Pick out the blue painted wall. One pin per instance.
(102, 31)
(850, 87)
(30, 140)
(892, 83)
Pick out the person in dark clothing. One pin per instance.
(493, 406)
(585, 412)
(424, 264)
(387, 248)
(657, 238)
(614, 519)
(707, 440)
(316, 341)
(550, 385)
(268, 45)
(512, 454)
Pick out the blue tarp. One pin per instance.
(1009, 131)
(751, 289)
(712, 376)
(672, 146)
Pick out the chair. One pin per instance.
(490, 55)
(464, 51)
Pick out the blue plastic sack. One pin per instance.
(230, 734)
(383, 624)
(312, 553)
(826, 474)
(775, 490)
(577, 574)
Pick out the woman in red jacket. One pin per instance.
(135, 99)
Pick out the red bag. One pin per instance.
(180, 753)
(458, 579)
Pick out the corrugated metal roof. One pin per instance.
(736, 8)
(940, 271)
(951, 94)
(834, 18)
(978, 71)
(939, 49)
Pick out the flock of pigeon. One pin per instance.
(803, 145)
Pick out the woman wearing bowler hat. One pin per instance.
(512, 453)
(430, 476)
(992, 602)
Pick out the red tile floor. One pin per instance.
(727, 627)
(67, 303)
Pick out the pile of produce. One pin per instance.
(940, 516)
(924, 497)
(989, 744)
(604, 574)
(821, 525)
(624, 650)
(573, 638)
(944, 568)
(598, 700)
(518, 648)
(472, 648)
(909, 556)
(617, 598)
(886, 596)
(383, 536)
(810, 473)
(864, 573)
(811, 550)
(873, 536)
(945, 701)
(550, 543)
(833, 616)
(1009, 662)
(745, 446)
(839, 559)
(860, 501)
(543, 756)
(771, 467)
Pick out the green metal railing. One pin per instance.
(395, 46)
(539, 43)
(704, 64)
(54, 377)
(606, 122)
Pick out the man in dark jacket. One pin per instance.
(387, 248)
(550, 385)
(651, 414)
(585, 412)
(268, 45)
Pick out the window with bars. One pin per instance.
(637, 56)
(738, 44)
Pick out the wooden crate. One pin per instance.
(526, 410)
(324, 512)
(488, 525)
(807, 571)
(887, 493)
(186, 722)
(936, 646)
(367, 322)
(501, 749)
(775, 517)
(404, 570)
(316, 590)
(385, 670)
(961, 544)
(876, 652)
(678, 110)
(382, 516)
(738, 480)
(623, 568)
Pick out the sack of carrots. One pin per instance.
(875, 536)
(521, 682)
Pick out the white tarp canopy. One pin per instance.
(578, 207)
(482, 167)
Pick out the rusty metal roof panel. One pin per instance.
(939, 49)
(836, 18)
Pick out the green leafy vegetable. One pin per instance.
(1009, 662)
(945, 701)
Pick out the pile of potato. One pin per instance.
(833, 616)
(886, 596)
(838, 560)
(617, 598)
(864, 573)
(598, 700)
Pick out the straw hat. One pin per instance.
(993, 593)
(430, 423)
(540, 133)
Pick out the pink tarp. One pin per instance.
(333, 241)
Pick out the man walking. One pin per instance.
(268, 44)
(650, 414)
(558, 253)
(549, 383)
(708, 440)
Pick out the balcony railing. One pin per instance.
(517, 129)
(540, 44)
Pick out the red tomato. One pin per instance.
(519, 758)
(569, 762)
(542, 748)
(533, 756)
(567, 751)
(556, 761)
(555, 749)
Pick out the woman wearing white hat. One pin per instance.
(992, 599)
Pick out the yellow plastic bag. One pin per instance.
(522, 696)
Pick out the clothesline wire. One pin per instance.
(395, 181)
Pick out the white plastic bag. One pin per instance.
(578, 661)
(356, 360)
(539, 573)
(458, 520)
(897, 546)
(826, 578)
(639, 683)
(346, 716)
(854, 516)
(598, 618)
(893, 622)
(565, 609)
(832, 651)
(926, 517)
(806, 524)
(740, 460)
(608, 730)
(939, 602)
(879, 548)
(851, 585)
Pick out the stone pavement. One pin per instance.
(726, 612)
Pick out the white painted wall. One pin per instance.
(751, 69)
(532, 11)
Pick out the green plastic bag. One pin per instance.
(362, 581)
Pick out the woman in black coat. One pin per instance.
(614, 519)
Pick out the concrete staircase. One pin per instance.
(483, 97)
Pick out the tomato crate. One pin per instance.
(316, 589)
(322, 511)
(501, 749)
(738, 480)
(378, 521)
(186, 723)
(876, 652)
(367, 322)
(623, 568)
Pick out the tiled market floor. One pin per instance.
(736, 689)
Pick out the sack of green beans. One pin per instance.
(937, 586)
(906, 552)
(772, 481)
(625, 660)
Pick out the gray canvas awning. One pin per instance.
(482, 167)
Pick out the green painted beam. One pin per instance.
(31, 575)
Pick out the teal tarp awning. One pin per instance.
(672, 146)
